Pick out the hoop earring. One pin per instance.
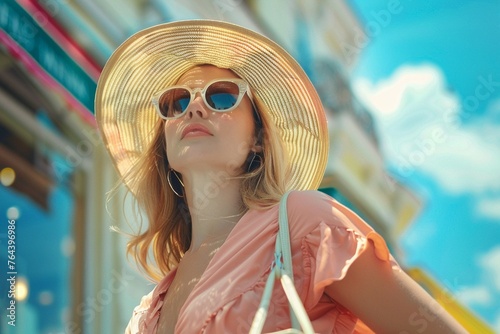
(178, 180)
(254, 163)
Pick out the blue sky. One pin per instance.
(431, 76)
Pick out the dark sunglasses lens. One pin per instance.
(222, 95)
(174, 102)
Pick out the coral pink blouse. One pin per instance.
(326, 238)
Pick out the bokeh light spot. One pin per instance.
(7, 176)
(13, 213)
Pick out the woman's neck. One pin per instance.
(215, 205)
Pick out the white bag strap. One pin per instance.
(282, 269)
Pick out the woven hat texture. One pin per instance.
(155, 58)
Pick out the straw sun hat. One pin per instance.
(155, 58)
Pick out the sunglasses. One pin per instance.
(221, 95)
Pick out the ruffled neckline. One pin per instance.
(149, 324)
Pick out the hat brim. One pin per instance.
(155, 58)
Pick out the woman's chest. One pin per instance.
(189, 273)
(203, 285)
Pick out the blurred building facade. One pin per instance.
(72, 266)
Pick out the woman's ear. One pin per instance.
(257, 141)
(256, 148)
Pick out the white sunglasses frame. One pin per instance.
(242, 86)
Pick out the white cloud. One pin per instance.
(419, 128)
(389, 96)
(496, 324)
(466, 162)
(486, 294)
(490, 262)
(407, 84)
(490, 208)
(493, 110)
(475, 295)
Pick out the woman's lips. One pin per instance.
(195, 130)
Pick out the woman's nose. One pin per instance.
(197, 107)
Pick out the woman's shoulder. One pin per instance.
(319, 219)
(310, 208)
(311, 205)
(306, 198)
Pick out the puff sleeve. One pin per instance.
(331, 237)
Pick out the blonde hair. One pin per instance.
(168, 234)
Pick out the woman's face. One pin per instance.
(205, 140)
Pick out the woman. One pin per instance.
(209, 124)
